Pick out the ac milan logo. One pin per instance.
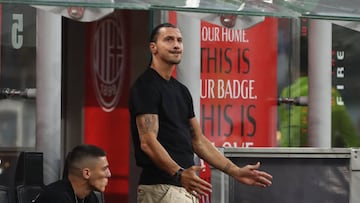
(108, 62)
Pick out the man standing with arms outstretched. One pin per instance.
(166, 133)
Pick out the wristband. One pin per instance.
(177, 175)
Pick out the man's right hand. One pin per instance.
(193, 183)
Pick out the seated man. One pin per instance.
(88, 171)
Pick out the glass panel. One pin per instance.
(293, 86)
(290, 56)
(289, 125)
(328, 9)
(17, 76)
(345, 83)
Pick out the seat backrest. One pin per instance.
(27, 193)
(28, 176)
(29, 169)
(4, 194)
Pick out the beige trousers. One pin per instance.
(162, 193)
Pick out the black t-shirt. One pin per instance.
(62, 192)
(172, 102)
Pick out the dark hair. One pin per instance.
(155, 31)
(82, 152)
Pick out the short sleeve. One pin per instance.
(144, 99)
(190, 103)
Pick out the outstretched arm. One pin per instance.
(249, 174)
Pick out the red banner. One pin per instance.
(238, 80)
(106, 117)
(238, 86)
(238, 105)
